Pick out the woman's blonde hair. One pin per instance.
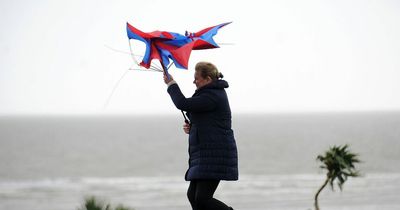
(207, 69)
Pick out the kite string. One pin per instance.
(119, 51)
(152, 67)
(113, 90)
(133, 56)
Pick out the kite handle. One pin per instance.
(166, 73)
(165, 70)
(184, 116)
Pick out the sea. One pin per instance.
(54, 162)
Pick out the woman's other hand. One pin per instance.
(186, 128)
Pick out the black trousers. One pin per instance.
(200, 194)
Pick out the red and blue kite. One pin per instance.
(163, 45)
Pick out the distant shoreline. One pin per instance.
(174, 114)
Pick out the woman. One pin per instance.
(212, 146)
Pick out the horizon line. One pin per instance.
(130, 114)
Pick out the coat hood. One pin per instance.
(218, 84)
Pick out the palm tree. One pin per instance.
(340, 164)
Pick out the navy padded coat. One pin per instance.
(212, 146)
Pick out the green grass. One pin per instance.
(92, 203)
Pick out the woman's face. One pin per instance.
(199, 81)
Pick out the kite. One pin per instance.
(165, 46)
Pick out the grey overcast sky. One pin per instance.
(284, 56)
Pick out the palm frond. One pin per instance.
(340, 164)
